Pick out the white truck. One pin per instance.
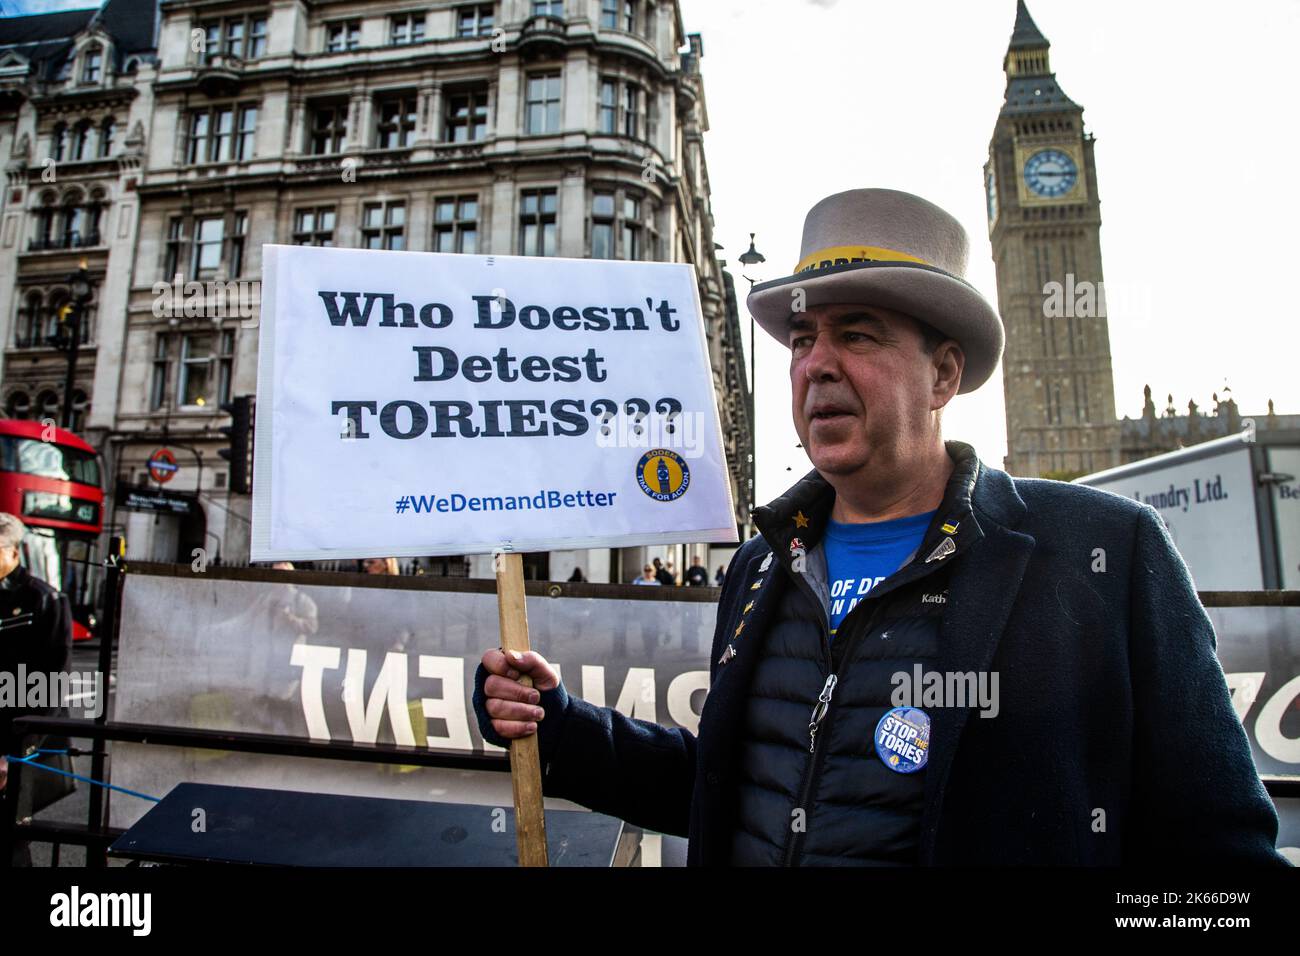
(1232, 506)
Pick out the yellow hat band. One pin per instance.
(843, 255)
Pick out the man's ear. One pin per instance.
(949, 362)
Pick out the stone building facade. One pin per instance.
(1168, 430)
(537, 127)
(75, 98)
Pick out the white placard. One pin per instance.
(413, 403)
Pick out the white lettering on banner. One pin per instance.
(1245, 688)
(1268, 728)
(593, 684)
(680, 691)
(638, 698)
(351, 343)
(314, 661)
(450, 707)
(389, 694)
(364, 714)
(633, 701)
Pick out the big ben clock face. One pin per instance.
(1050, 173)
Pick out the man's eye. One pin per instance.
(800, 341)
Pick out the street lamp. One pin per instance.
(70, 333)
(80, 286)
(752, 257)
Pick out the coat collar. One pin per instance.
(19, 577)
(803, 512)
(982, 591)
(983, 586)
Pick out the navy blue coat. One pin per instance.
(1112, 700)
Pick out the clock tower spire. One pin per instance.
(1044, 227)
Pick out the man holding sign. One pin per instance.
(417, 404)
(920, 659)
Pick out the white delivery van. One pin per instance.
(1232, 506)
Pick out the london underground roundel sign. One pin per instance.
(162, 466)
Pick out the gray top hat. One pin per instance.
(891, 249)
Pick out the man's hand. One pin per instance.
(512, 706)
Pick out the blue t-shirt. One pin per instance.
(860, 556)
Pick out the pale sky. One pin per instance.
(1192, 105)
(1193, 109)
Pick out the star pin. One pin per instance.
(747, 607)
(800, 521)
(739, 627)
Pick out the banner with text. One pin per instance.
(374, 665)
(396, 664)
(417, 403)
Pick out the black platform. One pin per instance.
(245, 825)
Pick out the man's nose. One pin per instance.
(823, 362)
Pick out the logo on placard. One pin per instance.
(663, 474)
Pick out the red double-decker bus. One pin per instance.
(53, 481)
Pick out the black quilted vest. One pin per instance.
(828, 799)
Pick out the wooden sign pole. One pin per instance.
(525, 761)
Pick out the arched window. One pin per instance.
(88, 312)
(80, 407)
(47, 405)
(18, 405)
(106, 131)
(59, 142)
(80, 140)
(94, 218)
(58, 299)
(74, 220)
(27, 330)
(45, 231)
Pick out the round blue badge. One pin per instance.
(903, 739)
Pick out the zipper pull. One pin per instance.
(823, 704)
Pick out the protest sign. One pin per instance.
(423, 404)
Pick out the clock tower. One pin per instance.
(1044, 220)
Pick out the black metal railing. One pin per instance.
(71, 240)
(97, 837)
(40, 340)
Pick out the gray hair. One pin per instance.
(11, 530)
